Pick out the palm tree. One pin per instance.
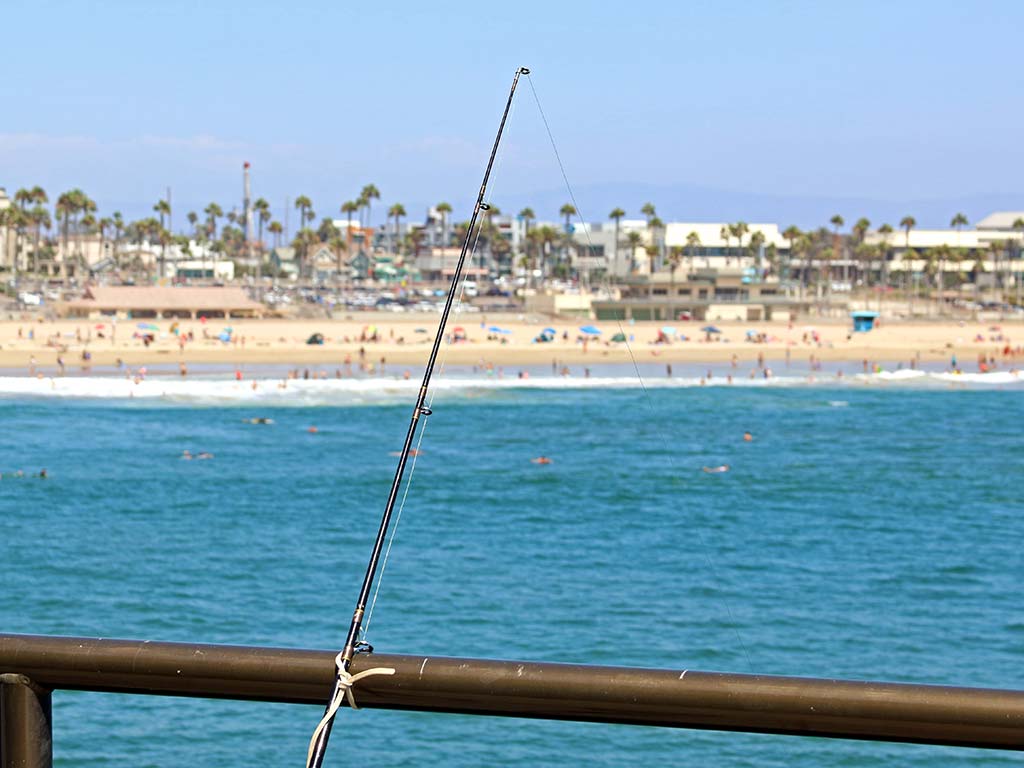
(162, 208)
(368, 195)
(102, 226)
(656, 226)
(692, 241)
(262, 210)
(726, 234)
(885, 232)
(738, 230)
(837, 222)
(907, 223)
(445, 209)
(634, 239)
(756, 241)
(213, 212)
(791, 233)
(39, 217)
(616, 215)
(348, 208)
(675, 256)
(275, 229)
(958, 222)
(396, 211)
(1018, 226)
(304, 205)
(527, 215)
(647, 209)
(568, 211)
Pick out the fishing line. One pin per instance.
(643, 386)
(343, 676)
(458, 304)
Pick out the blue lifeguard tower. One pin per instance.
(863, 321)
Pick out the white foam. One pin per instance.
(353, 391)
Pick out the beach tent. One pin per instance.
(316, 338)
(619, 337)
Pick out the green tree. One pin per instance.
(634, 239)
(367, 196)
(738, 230)
(907, 223)
(568, 211)
(445, 209)
(275, 229)
(726, 234)
(884, 232)
(616, 215)
(692, 243)
(791, 233)
(396, 212)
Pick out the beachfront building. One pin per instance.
(130, 302)
(705, 295)
(945, 255)
(679, 246)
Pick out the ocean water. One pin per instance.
(872, 529)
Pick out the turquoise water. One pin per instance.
(865, 533)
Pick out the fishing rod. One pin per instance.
(343, 680)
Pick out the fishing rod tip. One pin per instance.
(524, 71)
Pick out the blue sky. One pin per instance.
(787, 110)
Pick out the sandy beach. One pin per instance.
(404, 340)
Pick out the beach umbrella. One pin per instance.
(710, 329)
(668, 330)
(549, 331)
(147, 327)
(225, 337)
(590, 330)
(100, 326)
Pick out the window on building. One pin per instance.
(660, 292)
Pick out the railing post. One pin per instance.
(26, 735)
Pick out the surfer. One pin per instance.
(716, 470)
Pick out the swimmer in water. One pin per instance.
(716, 470)
(540, 460)
(412, 452)
(747, 437)
(186, 455)
(259, 420)
(204, 455)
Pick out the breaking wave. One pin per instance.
(354, 391)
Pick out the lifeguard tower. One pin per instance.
(863, 321)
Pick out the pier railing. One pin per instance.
(32, 667)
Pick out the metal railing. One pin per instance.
(32, 666)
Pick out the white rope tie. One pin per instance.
(345, 682)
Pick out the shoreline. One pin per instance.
(405, 341)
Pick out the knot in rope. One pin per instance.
(345, 681)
